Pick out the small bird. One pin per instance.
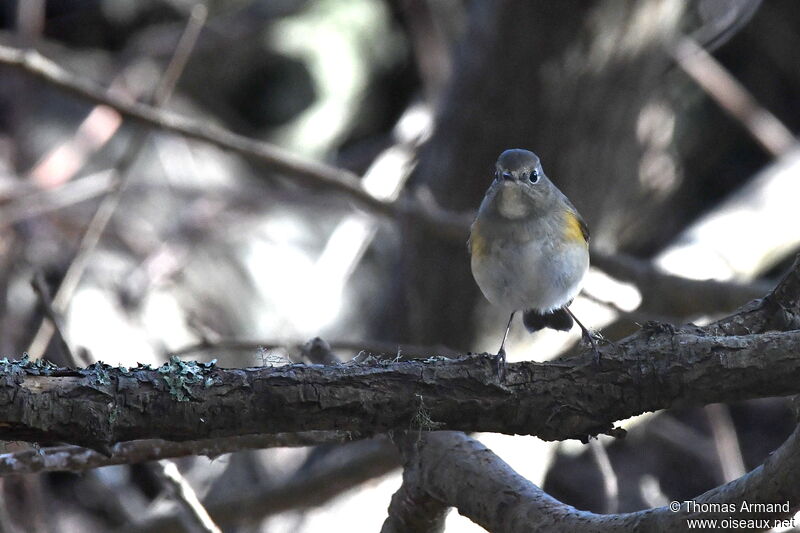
(529, 247)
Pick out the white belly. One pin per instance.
(518, 276)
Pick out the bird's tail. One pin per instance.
(558, 319)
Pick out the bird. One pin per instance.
(529, 247)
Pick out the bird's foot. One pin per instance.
(592, 338)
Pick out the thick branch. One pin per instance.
(461, 472)
(778, 310)
(655, 369)
(413, 509)
(558, 400)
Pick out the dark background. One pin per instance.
(205, 245)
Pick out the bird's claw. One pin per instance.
(591, 338)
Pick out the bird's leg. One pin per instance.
(501, 353)
(587, 336)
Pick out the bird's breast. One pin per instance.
(544, 272)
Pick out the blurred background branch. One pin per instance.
(365, 133)
(78, 459)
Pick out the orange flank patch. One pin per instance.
(573, 229)
(477, 243)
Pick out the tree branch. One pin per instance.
(371, 347)
(461, 472)
(363, 461)
(779, 310)
(33, 63)
(107, 207)
(412, 509)
(657, 369)
(717, 296)
(665, 294)
(747, 355)
(195, 517)
(732, 96)
(79, 459)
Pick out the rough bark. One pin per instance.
(747, 355)
(463, 473)
(658, 369)
(413, 509)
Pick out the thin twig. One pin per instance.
(40, 286)
(363, 461)
(61, 163)
(195, 517)
(447, 224)
(732, 96)
(79, 459)
(109, 204)
(377, 348)
(610, 483)
(278, 159)
(726, 442)
(30, 19)
(43, 201)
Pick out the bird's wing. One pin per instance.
(584, 227)
(581, 223)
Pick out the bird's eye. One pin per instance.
(533, 177)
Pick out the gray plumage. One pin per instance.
(529, 245)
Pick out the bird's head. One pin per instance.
(520, 186)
